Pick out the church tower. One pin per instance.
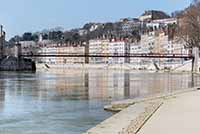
(2, 40)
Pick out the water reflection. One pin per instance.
(2, 96)
(72, 100)
(92, 84)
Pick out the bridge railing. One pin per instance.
(136, 55)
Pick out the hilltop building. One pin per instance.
(151, 15)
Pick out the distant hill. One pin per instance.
(124, 28)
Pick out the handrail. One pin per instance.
(136, 55)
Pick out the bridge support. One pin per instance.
(195, 60)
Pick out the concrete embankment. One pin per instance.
(186, 67)
(176, 116)
(118, 106)
(136, 114)
(96, 66)
(127, 121)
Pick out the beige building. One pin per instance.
(98, 47)
(155, 42)
(161, 40)
(61, 51)
(70, 49)
(148, 42)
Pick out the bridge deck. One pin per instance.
(133, 55)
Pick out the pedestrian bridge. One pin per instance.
(131, 55)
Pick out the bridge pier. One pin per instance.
(195, 60)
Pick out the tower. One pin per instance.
(2, 38)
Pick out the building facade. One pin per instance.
(60, 50)
(117, 48)
(99, 47)
(136, 48)
(109, 47)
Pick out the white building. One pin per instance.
(136, 48)
(166, 21)
(130, 26)
(72, 49)
(154, 25)
(119, 48)
(62, 49)
(29, 47)
(94, 26)
(47, 50)
(82, 32)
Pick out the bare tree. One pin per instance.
(189, 25)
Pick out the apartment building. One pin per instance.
(47, 50)
(72, 49)
(136, 48)
(98, 47)
(161, 40)
(119, 47)
(109, 47)
(166, 21)
(29, 47)
(148, 42)
(63, 49)
(129, 24)
(160, 23)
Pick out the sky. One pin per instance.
(19, 16)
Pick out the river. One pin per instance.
(71, 101)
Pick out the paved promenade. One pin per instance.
(179, 115)
(127, 121)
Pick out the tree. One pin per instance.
(27, 36)
(15, 39)
(45, 36)
(55, 35)
(189, 30)
(189, 25)
(35, 37)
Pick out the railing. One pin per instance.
(132, 55)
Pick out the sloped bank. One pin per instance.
(128, 121)
(131, 119)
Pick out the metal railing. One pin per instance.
(113, 55)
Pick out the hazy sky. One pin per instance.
(20, 16)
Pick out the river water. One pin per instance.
(71, 101)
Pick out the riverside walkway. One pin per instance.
(176, 113)
(179, 115)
